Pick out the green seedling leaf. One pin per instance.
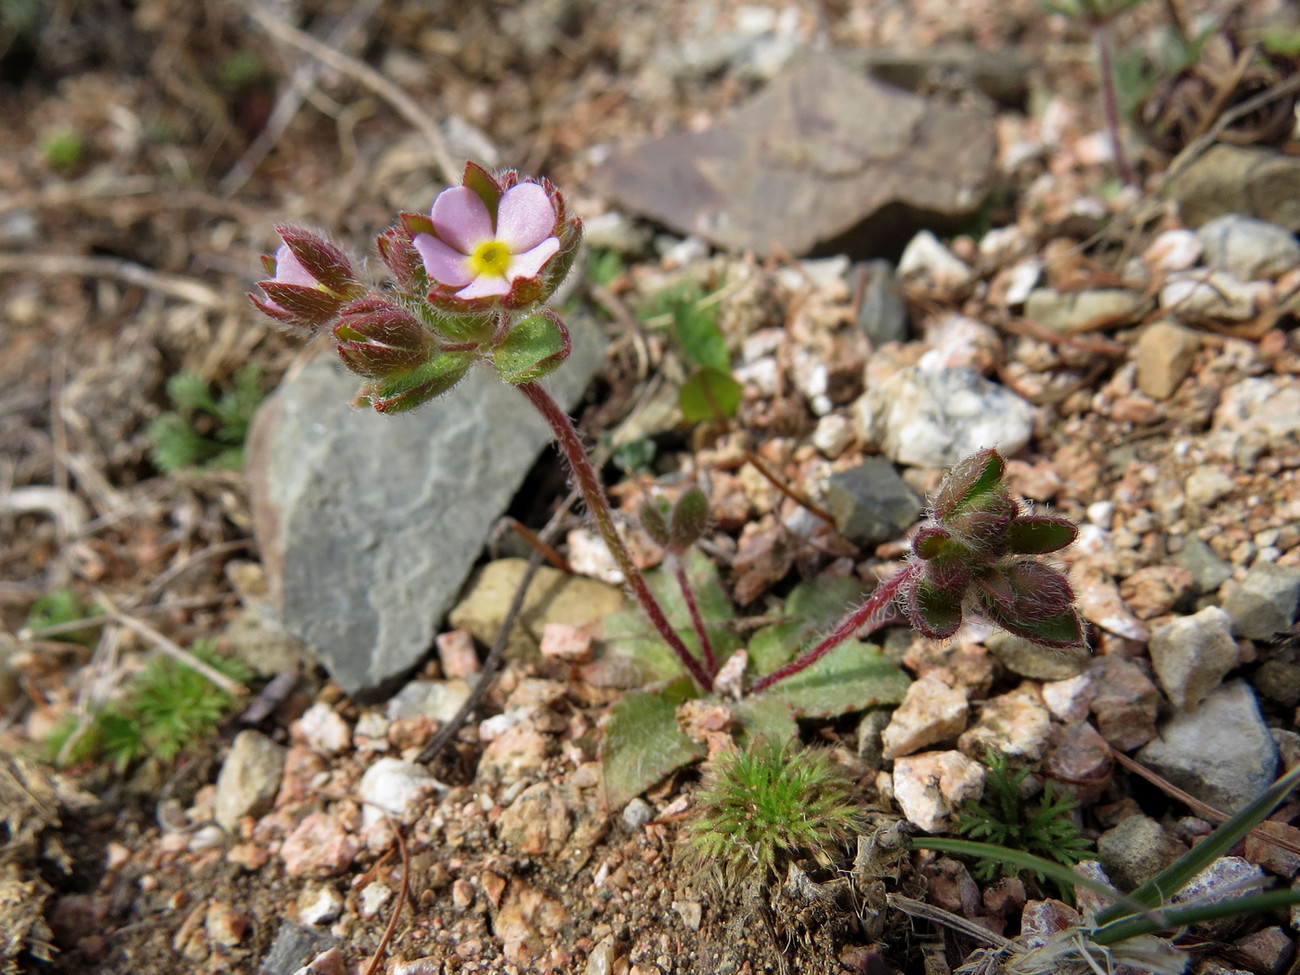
(709, 394)
(702, 342)
(633, 654)
(852, 677)
(1176, 917)
(643, 742)
(968, 482)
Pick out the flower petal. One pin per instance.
(444, 264)
(461, 218)
(290, 270)
(484, 286)
(525, 217)
(530, 263)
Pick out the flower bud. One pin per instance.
(690, 519)
(397, 394)
(312, 279)
(377, 339)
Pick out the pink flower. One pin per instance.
(482, 254)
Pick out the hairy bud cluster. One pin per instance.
(977, 554)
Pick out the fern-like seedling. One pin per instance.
(767, 802)
(1047, 828)
(202, 430)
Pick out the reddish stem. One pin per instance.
(1109, 101)
(697, 621)
(871, 615)
(566, 435)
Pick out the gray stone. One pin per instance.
(249, 779)
(1279, 681)
(871, 502)
(1164, 354)
(1035, 661)
(293, 948)
(1227, 179)
(1208, 570)
(1135, 850)
(1065, 311)
(1265, 602)
(1221, 753)
(1248, 248)
(439, 699)
(871, 730)
(1213, 294)
(369, 525)
(1003, 74)
(934, 418)
(1192, 654)
(797, 167)
(882, 312)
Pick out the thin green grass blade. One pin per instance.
(1026, 861)
(1174, 878)
(1177, 917)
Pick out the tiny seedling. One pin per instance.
(163, 711)
(55, 610)
(63, 150)
(767, 802)
(1046, 828)
(201, 430)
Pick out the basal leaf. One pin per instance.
(643, 743)
(709, 394)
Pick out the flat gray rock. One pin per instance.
(871, 502)
(809, 161)
(369, 524)
(1221, 753)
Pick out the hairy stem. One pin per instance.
(697, 621)
(1109, 102)
(872, 614)
(588, 483)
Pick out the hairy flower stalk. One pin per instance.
(594, 495)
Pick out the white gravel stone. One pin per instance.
(319, 904)
(1248, 248)
(925, 257)
(931, 786)
(1173, 250)
(1213, 294)
(249, 779)
(931, 712)
(637, 813)
(324, 730)
(397, 786)
(834, 435)
(1069, 700)
(936, 418)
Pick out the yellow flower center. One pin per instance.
(491, 259)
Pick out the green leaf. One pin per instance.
(709, 394)
(766, 716)
(188, 392)
(967, 482)
(534, 347)
(1039, 534)
(643, 743)
(852, 677)
(702, 342)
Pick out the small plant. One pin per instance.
(710, 392)
(1099, 16)
(56, 609)
(769, 801)
(469, 283)
(201, 430)
(164, 710)
(1047, 828)
(63, 150)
